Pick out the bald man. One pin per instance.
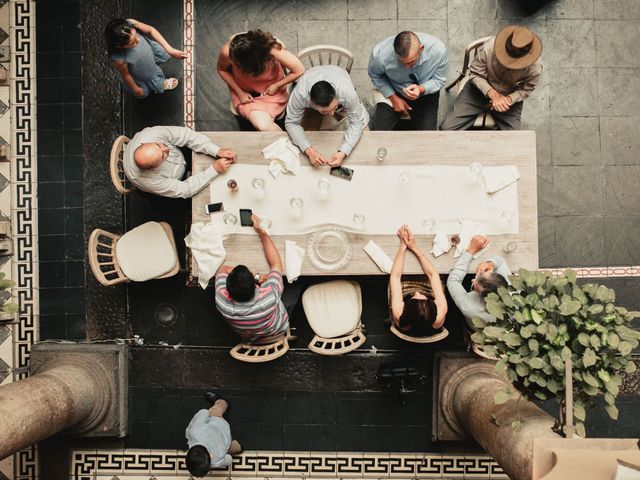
(154, 163)
(409, 69)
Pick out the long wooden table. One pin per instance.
(491, 148)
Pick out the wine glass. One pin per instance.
(506, 216)
(475, 169)
(428, 224)
(381, 154)
(358, 220)
(296, 205)
(258, 187)
(511, 246)
(230, 219)
(323, 189)
(265, 223)
(404, 178)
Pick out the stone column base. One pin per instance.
(109, 367)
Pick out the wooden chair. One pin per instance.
(118, 176)
(326, 55)
(263, 350)
(410, 286)
(483, 120)
(147, 252)
(334, 311)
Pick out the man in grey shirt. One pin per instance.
(490, 275)
(209, 438)
(327, 89)
(154, 163)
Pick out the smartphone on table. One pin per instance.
(342, 172)
(213, 208)
(245, 217)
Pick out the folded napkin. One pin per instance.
(205, 242)
(284, 153)
(496, 178)
(378, 256)
(293, 257)
(441, 244)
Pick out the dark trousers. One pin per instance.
(470, 103)
(423, 113)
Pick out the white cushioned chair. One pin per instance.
(483, 120)
(333, 310)
(144, 253)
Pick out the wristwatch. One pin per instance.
(256, 277)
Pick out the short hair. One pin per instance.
(240, 284)
(417, 311)
(322, 93)
(402, 43)
(251, 51)
(198, 461)
(490, 282)
(116, 34)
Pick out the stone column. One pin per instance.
(80, 392)
(466, 401)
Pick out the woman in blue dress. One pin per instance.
(135, 50)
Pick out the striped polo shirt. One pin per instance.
(261, 316)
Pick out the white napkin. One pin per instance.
(467, 232)
(285, 153)
(496, 178)
(441, 244)
(293, 257)
(378, 256)
(205, 242)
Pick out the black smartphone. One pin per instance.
(342, 172)
(245, 217)
(213, 208)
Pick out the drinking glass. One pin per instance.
(511, 246)
(265, 223)
(404, 178)
(381, 154)
(428, 224)
(258, 187)
(506, 216)
(296, 205)
(323, 189)
(475, 169)
(229, 219)
(358, 220)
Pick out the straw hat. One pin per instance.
(517, 47)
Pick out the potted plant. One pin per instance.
(8, 309)
(541, 322)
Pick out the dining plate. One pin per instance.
(329, 249)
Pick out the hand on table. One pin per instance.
(477, 243)
(413, 91)
(336, 159)
(399, 105)
(315, 158)
(223, 163)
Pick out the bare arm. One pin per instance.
(157, 36)
(290, 62)
(123, 69)
(270, 250)
(223, 66)
(395, 284)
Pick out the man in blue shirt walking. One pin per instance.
(409, 70)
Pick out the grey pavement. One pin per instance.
(585, 112)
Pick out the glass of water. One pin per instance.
(258, 187)
(381, 154)
(358, 220)
(265, 223)
(229, 219)
(510, 246)
(475, 169)
(296, 204)
(428, 224)
(506, 216)
(323, 189)
(404, 178)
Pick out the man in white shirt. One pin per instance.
(327, 89)
(153, 161)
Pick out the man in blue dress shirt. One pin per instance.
(409, 70)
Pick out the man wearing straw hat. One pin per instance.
(505, 71)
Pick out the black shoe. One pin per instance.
(211, 398)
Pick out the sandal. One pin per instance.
(170, 83)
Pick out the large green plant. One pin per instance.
(6, 284)
(542, 321)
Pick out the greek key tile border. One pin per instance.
(595, 272)
(24, 202)
(189, 78)
(165, 464)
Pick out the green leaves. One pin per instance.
(569, 307)
(502, 396)
(512, 339)
(589, 358)
(612, 410)
(495, 308)
(579, 412)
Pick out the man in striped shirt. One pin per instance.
(251, 304)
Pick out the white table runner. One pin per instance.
(449, 196)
